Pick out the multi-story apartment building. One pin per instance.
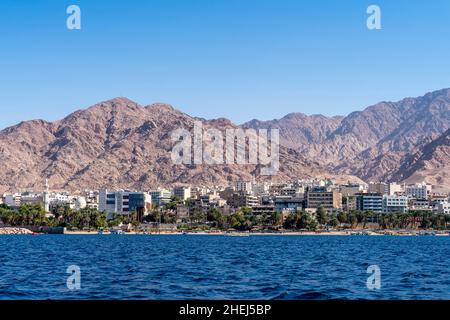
(182, 193)
(286, 203)
(12, 200)
(395, 203)
(160, 197)
(348, 203)
(323, 197)
(395, 188)
(348, 190)
(438, 198)
(260, 189)
(369, 202)
(124, 202)
(243, 187)
(442, 208)
(238, 200)
(419, 204)
(378, 187)
(418, 190)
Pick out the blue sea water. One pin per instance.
(221, 267)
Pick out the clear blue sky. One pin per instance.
(240, 59)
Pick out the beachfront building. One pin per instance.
(323, 197)
(125, 203)
(286, 203)
(263, 209)
(369, 202)
(393, 203)
(348, 202)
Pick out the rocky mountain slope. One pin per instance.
(374, 143)
(298, 130)
(120, 144)
(431, 163)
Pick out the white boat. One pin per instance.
(116, 231)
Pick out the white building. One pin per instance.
(395, 188)
(12, 200)
(418, 190)
(442, 208)
(395, 203)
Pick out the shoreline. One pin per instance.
(289, 233)
(357, 232)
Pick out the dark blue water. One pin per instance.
(220, 267)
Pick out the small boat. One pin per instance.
(116, 231)
(100, 232)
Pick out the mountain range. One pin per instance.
(121, 144)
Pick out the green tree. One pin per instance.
(322, 216)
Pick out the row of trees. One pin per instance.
(63, 216)
(242, 219)
(360, 219)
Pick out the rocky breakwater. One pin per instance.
(10, 230)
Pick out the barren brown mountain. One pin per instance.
(374, 143)
(431, 164)
(120, 144)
